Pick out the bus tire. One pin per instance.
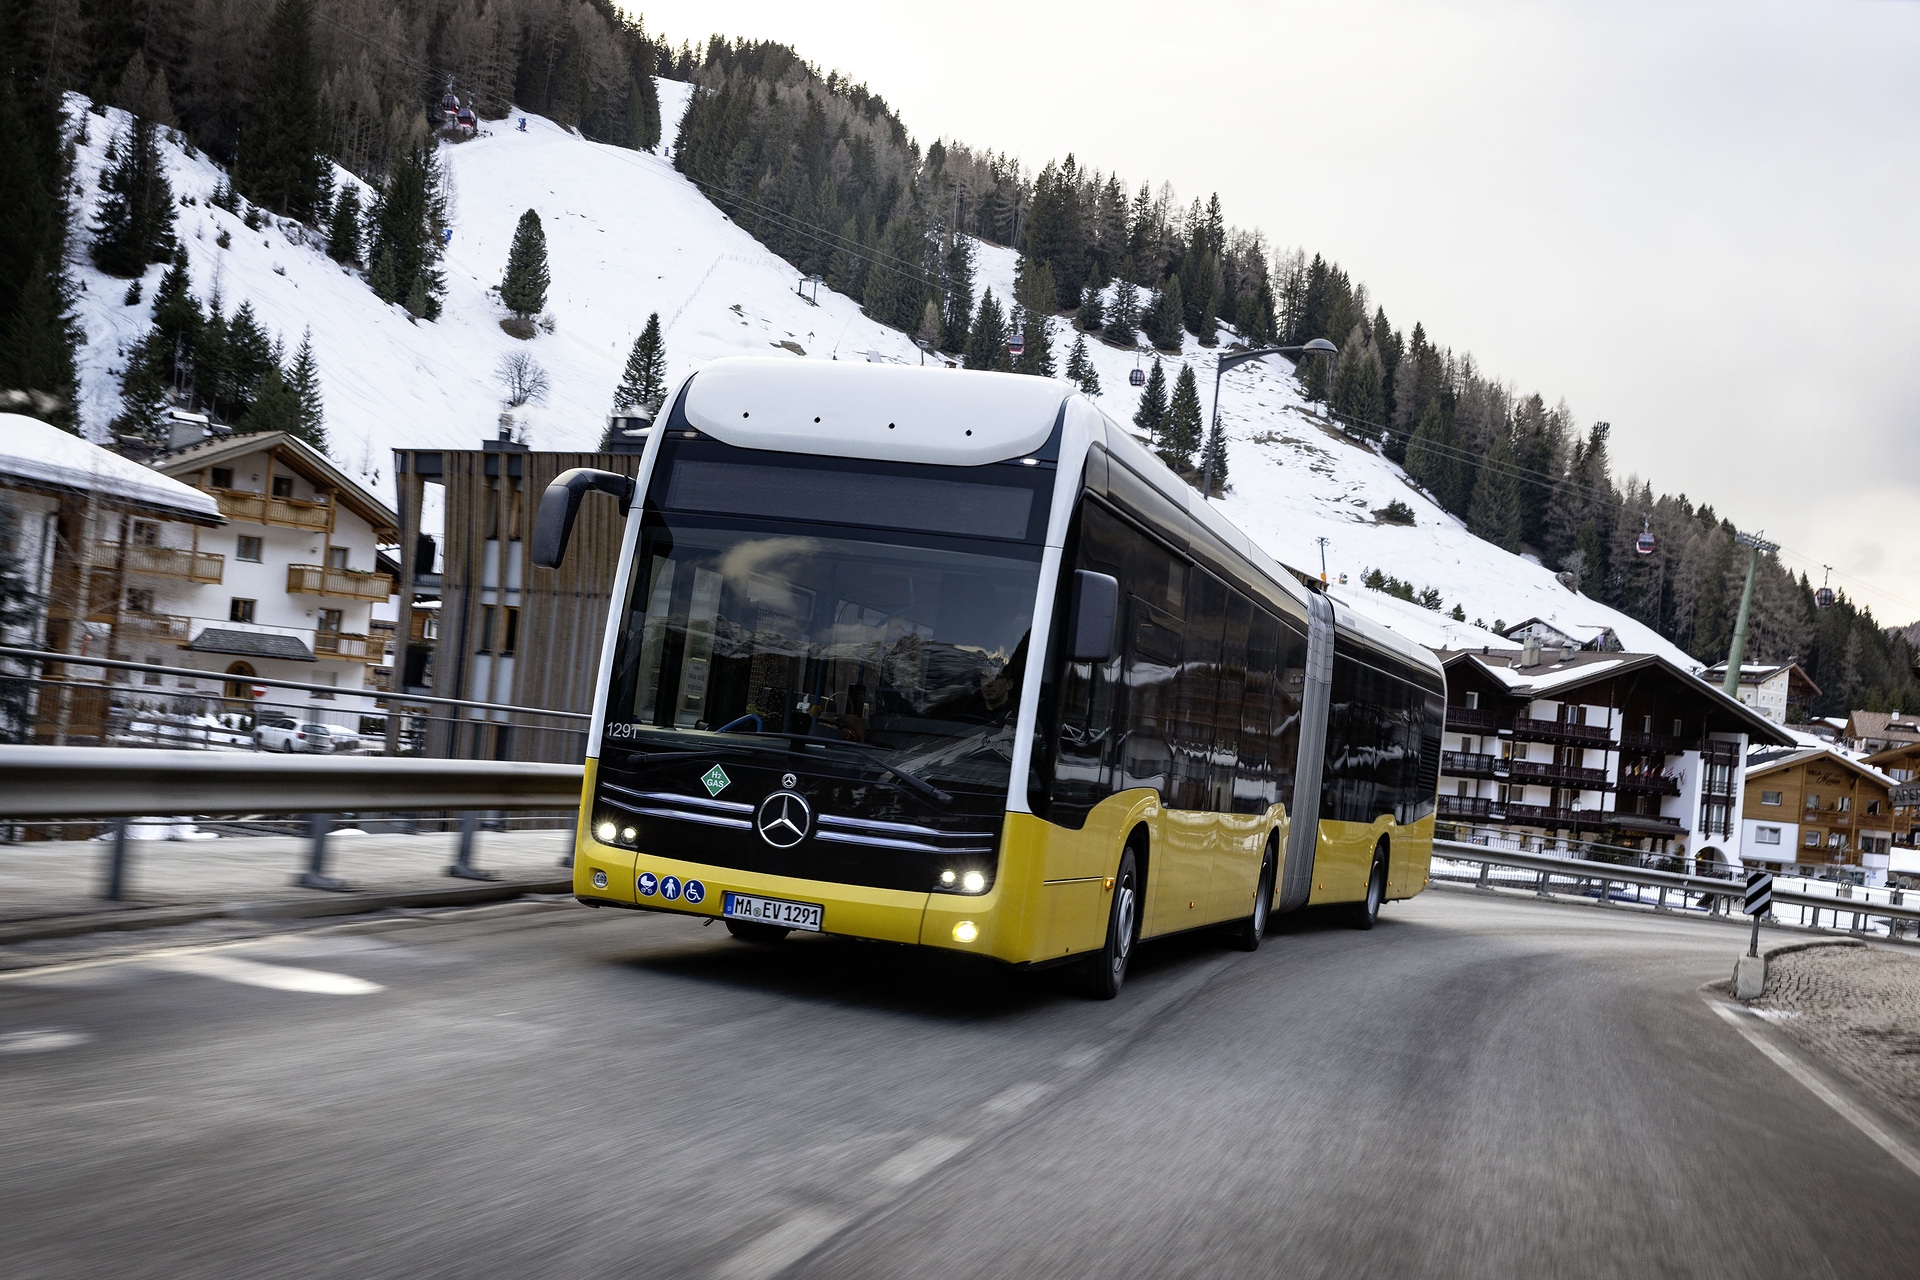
(1246, 933)
(764, 934)
(1363, 913)
(1106, 969)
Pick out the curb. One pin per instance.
(1818, 942)
(347, 904)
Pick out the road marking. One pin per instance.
(783, 1246)
(274, 977)
(41, 1040)
(1820, 1089)
(1011, 1102)
(920, 1159)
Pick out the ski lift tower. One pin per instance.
(1731, 685)
(1319, 346)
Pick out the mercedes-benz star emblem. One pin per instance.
(788, 781)
(783, 819)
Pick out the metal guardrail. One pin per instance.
(1723, 891)
(107, 782)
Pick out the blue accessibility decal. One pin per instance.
(648, 884)
(669, 887)
(695, 891)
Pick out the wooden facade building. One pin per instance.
(506, 631)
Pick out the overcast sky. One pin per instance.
(1694, 221)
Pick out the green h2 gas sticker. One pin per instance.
(716, 779)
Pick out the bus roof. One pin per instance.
(898, 413)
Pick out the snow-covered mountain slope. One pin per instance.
(627, 235)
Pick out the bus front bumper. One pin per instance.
(604, 875)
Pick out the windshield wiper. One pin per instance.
(916, 784)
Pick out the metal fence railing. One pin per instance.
(142, 704)
(102, 787)
(1549, 874)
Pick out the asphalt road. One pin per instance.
(1478, 1087)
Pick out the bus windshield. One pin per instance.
(912, 654)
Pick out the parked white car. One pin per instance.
(291, 736)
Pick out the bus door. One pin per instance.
(1151, 676)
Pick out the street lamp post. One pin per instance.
(1319, 346)
(1738, 652)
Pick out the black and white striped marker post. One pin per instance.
(1759, 902)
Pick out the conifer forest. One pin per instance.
(827, 175)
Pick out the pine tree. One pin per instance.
(1091, 316)
(408, 221)
(1151, 415)
(1080, 368)
(1213, 459)
(280, 162)
(987, 339)
(1165, 328)
(250, 358)
(958, 270)
(1126, 306)
(645, 383)
(343, 229)
(1037, 356)
(274, 407)
(303, 380)
(524, 287)
(896, 291)
(1493, 513)
(143, 394)
(136, 210)
(1182, 436)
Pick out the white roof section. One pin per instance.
(895, 413)
(36, 453)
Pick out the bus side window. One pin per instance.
(1261, 711)
(1193, 737)
(1289, 689)
(1152, 669)
(1229, 753)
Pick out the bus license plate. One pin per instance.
(784, 915)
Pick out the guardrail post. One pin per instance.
(1486, 869)
(1661, 905)
(463, 861)
(315, 876)
(1541, 888)
(117, 863)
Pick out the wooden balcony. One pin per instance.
(1460, 764)
(263, 508)
(1464, 807)
(1472, 718)
(1548, 774)
(348, 646)
(1658, 784)
(1526, 729)
(347, 584)
(162, 627)
(165, 562)
(1660, 744)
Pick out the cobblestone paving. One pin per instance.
(1859, 1008)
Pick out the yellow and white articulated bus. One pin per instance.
(949, 659)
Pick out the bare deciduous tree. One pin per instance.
(521, 376)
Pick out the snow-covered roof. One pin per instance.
(35, 453)
(1769, 761)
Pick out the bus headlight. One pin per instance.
(629, 835)
(606, 831)
(973, 882)
(946, 879)
(965, 931)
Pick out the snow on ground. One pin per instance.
(627, 235)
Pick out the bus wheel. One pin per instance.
(1365, 912)
(748, 931)
(1106, 969)
(1246, 934)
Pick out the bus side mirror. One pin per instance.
(561, 503)
(1096, 604)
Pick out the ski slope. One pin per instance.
(626, 236)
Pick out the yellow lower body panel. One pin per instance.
(1344, 858)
